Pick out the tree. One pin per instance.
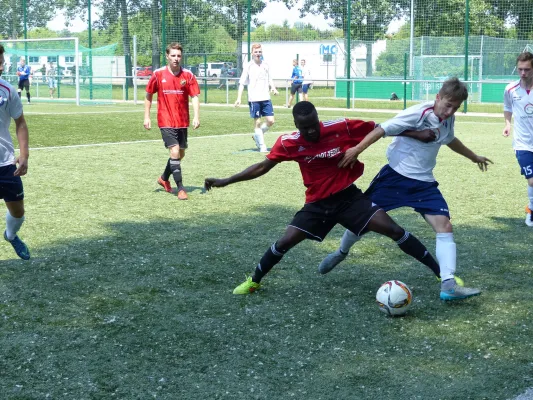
(38, 14)
(369, 19)
(233, 16)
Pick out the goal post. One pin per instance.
(82, 74)
(41, 51)
(439, 68)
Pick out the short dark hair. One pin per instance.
(525, 56)
(174, 46)
(454, 89)
(1, 50)
(303, 109)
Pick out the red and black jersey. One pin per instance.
(173, 92)
(318, 161)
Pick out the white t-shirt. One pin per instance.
(307, 76)
(257, 78)
(10, 108)
(410, 157)
(519, 102)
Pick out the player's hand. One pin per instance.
(483, 162)
(506, 131)
(210, 183)
(237, 103)
(18, 73)
(195, 123)
(275, 91)
(349, 158)
(147, 123)
(426, 136)
(22, 166)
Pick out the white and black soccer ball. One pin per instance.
(394, 298)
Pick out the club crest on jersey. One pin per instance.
(183, 82)
(528, 109)
(2, 101)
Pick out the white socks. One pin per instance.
(264, 127)
(348, 240)
(446, 253)
(530, 195)
(259, 138)
(12, 225)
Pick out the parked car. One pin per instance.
(213, 69)
(144, 72)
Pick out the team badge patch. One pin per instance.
(183, 82)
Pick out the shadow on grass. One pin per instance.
(147, 311)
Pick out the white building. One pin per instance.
(326, 58)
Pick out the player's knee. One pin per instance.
(395, 231)
(289, 240)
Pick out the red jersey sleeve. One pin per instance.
(278, 152)
(358, 129)
(152, 86)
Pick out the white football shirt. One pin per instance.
(307, 76)
(258, 80)
(410, 157)
(519, 102)
(10, 108)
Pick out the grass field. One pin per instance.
(128, 292)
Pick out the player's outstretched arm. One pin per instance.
(458, 146)
(350, 157)
(252, 172)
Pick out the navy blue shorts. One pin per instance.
(260, 109)
(525, 160)
(296, 87)
(10, 186)
(391, 190)
(305, 87)
(349, 208)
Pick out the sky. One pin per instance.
(274, 13)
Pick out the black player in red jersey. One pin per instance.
(331, 196)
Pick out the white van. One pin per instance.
(214, 70)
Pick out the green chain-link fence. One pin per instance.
(361, 49)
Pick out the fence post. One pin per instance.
(205, 78)
(404, 81)
(467, 32)
(348, 51)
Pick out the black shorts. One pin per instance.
(296, 87)
(349, 207)
(10, 186)
(25, 84)
(174, 137)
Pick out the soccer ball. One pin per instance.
(394, 298)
